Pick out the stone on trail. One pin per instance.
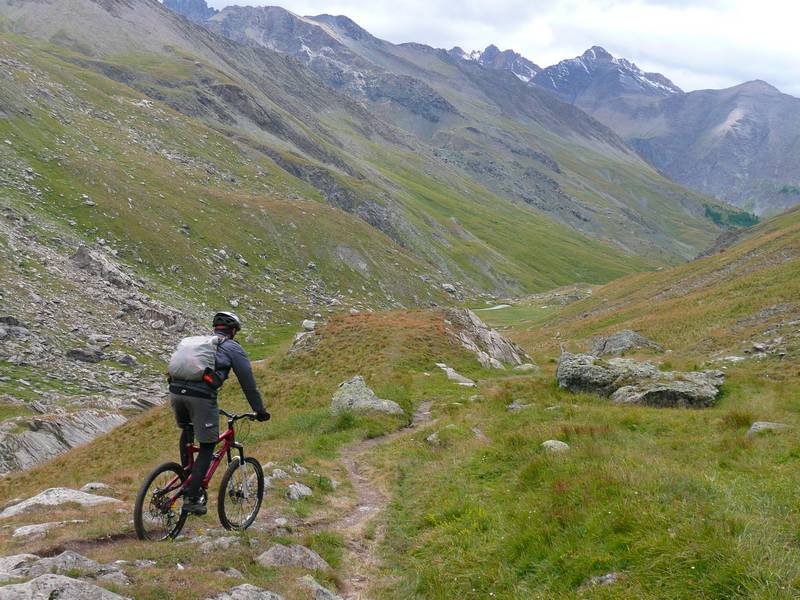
(554, 446)
(297, 491)
(57, 586)
(355, 395)
(760, 426)
(247, 591)
(629, 381)
(309, 325)
(622, 341)
(292, 556)
(40, 529)
(320, 593)
(55, 497)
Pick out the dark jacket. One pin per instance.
(230, 355)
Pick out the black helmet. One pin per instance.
(227, 319)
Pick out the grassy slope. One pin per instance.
(681, 502)
(233, 196)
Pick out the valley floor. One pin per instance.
(667, 503)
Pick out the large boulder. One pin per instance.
(629, 381)
(355, 395)
(491, 348)
(622, 341)
(57, 586)
(55, 497)
(294, 555)
(30, 565)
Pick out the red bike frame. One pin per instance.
(228, 441)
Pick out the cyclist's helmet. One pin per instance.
(227, 319)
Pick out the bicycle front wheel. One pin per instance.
(240, 493)
(153, 518)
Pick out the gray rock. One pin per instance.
(292, 556)
(516, 406)
(454, 375)
(491, 348)
(40, 529)
(87, 355)
(355, 395)
(526, 367)
(296, 491)
(607, 579)
(622, 341)
(320, 593)
(29, 565)
(247, 591)
(554, 446)
(231, 572)
(449, 288)
(760, 426)
(220, 543)
(55, 497)
(27, 441)
(628, 381)
(96, 263)
(95, 486)
(279, 474)
(57, 586)
(309, 325)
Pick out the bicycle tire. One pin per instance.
(230, 493)
(144, 501)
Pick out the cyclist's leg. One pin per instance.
(184, 420)
(205, 418)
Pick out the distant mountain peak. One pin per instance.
(501, 60)
(597, 53)
(194, 10)
(601, 74)
(344, 25)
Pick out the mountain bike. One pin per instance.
(157, 514)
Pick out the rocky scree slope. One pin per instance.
(489, 126)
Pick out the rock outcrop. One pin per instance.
(622, 341)
(760, 426)
(26, 441)
(355, 395)
(628, 381)
(30, 565)
(491, 348)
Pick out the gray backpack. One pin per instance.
(194, 357)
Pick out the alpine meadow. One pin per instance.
(497, 329)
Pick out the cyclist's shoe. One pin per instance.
(195, 506)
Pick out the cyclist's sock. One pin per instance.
(187, 437)
(201, 463)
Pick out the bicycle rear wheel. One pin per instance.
(240, 493)
(153, 518)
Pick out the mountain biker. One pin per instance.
(196, 410)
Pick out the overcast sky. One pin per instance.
(697, 43)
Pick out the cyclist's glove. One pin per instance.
(262, 416)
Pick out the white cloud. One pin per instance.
(697, 43)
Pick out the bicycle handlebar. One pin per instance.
(251, 416)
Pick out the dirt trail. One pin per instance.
(371, 502)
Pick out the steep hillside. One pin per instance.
(740, 301)
(491, 127)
